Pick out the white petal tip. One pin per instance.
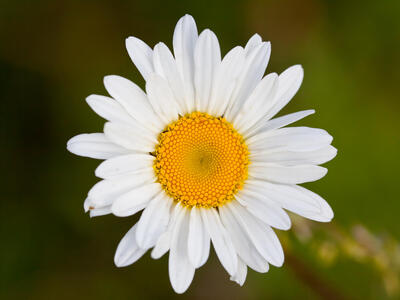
(108, 78)
(117, 212)
(155, 254)
(327, 217)
(257, 36)
(274, 75)
(119, 260)
(286, 226)
(114, 210)
(119, 263)
(73, 147)
(298, 69)
(240, 283)
(187, 17)
(158, 45)
(70, 148)
(71, 141)
(131, 40)
(90, 98)
(327, 220)
(278, 261)
(180, 290)
(86, 205)
(279, 264)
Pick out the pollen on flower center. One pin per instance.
(201, 160)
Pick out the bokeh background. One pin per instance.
(55, 53)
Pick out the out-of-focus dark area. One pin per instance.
(55, 53)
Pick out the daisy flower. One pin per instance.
(200, 154)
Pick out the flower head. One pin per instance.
(200, 154)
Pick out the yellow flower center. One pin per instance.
(201, 160)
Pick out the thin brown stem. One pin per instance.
(317, 284)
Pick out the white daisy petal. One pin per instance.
(241, 273)
(205, 248)
(108, 108)
(243, 245)
(165, 66)
(198, 239)
(286, 174)
(207, 56)
(221, 241)
(129, 137)
(253, 42)
(162, 245)
(266, 125)
(226, 76)
(153, 221)
(180, 269)
(295, 199)
(266, 210)
(94, 209)
(164, 241)
(124, 164)
(87, 204)
(184, 41)
(290, 139)
(252, 73)
(94, 145)
(263, 237)
(101, 211)
(162, 99)
(258, 103)
(325, 214)
(106, 191)
(134, 100)
(292, 158)
(128, 250)
(141, 55)
(135, 200)
(286, 120)
(289, 83)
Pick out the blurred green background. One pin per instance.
(55, 53)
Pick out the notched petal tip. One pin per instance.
(187, 17)
(86, 205)
(256, 36)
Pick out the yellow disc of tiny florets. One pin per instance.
(201, 160)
